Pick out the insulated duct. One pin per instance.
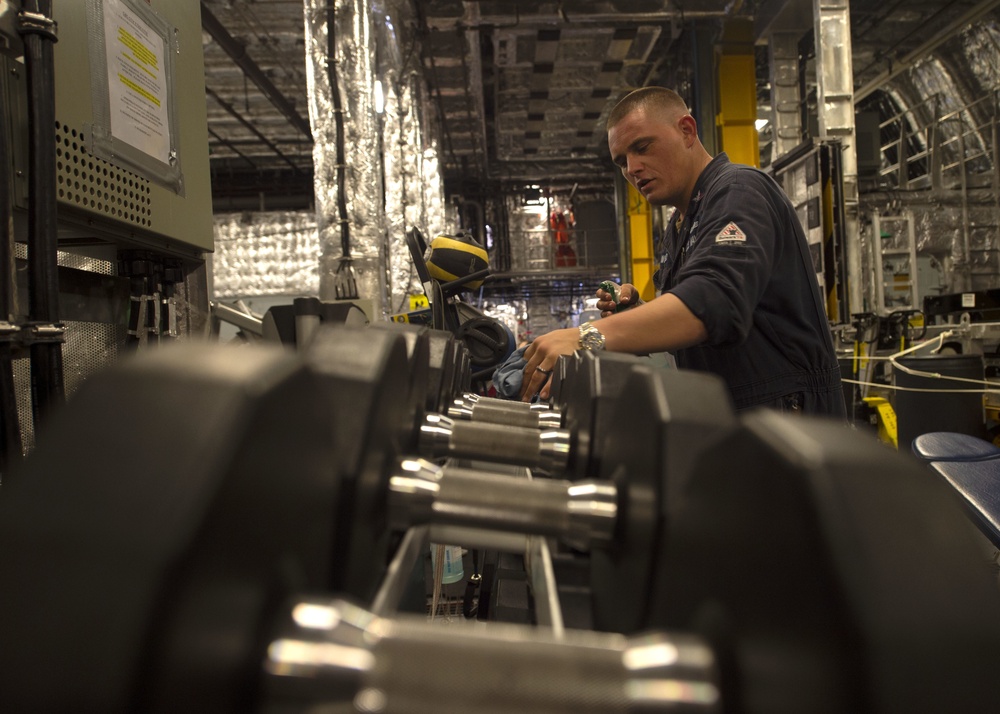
(411, 154)
(414, 187)
(433, 210)
(350, 211)
(260, 254)
(401, 142)
(400, 269)
(403, 200)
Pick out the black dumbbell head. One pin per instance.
(663, 421)
(830, 574)
(365, 374)
(165, 512)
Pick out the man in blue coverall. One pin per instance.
(737, 293)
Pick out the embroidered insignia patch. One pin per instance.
(731, 234)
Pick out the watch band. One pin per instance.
(591, 338)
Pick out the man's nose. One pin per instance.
(632, 166)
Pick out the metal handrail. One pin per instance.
(974, 136)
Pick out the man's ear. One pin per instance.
(688, 127)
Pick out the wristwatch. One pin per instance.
(591, 338)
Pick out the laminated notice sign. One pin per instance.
(132, 53)
(137, 86)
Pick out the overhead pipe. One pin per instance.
(45, 334)
(562, 19)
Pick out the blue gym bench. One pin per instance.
(972, 466)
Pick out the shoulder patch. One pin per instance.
(731, 234)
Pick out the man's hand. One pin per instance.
(627, 295)
(542, 356)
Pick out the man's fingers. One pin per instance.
(529, 390)
(526, 382)
(535, 378)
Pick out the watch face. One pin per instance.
(591, 338)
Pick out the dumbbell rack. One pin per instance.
(758, 563)
(413, 548)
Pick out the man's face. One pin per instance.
(652, 154)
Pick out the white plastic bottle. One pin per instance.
(451, 556)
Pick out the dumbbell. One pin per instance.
(432, 363)
(335, 652)
(541, 415)
(583, 393)
(440, 366)
(436, 359)
(277, 482)
(813, 569)
(473, 407)
(665, 418)
(464, 405)
(803, 557)
(592, 387)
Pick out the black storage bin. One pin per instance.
(939, 410)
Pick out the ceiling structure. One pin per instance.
(522, 88)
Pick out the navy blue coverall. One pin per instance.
(740, 262)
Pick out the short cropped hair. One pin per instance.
(659, 99)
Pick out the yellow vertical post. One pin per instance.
(737, 83)
(640, 227)
(829, 267)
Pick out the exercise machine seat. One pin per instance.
(952, 446)
(978, 483)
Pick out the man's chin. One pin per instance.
(653, 197)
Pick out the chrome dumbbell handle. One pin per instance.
(580, 513)
(332, 652)
(441, 436)
(471, 407)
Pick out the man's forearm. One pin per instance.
(662, 325)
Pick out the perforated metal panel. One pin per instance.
(90, 347)
(97, 185)
(79, 262)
